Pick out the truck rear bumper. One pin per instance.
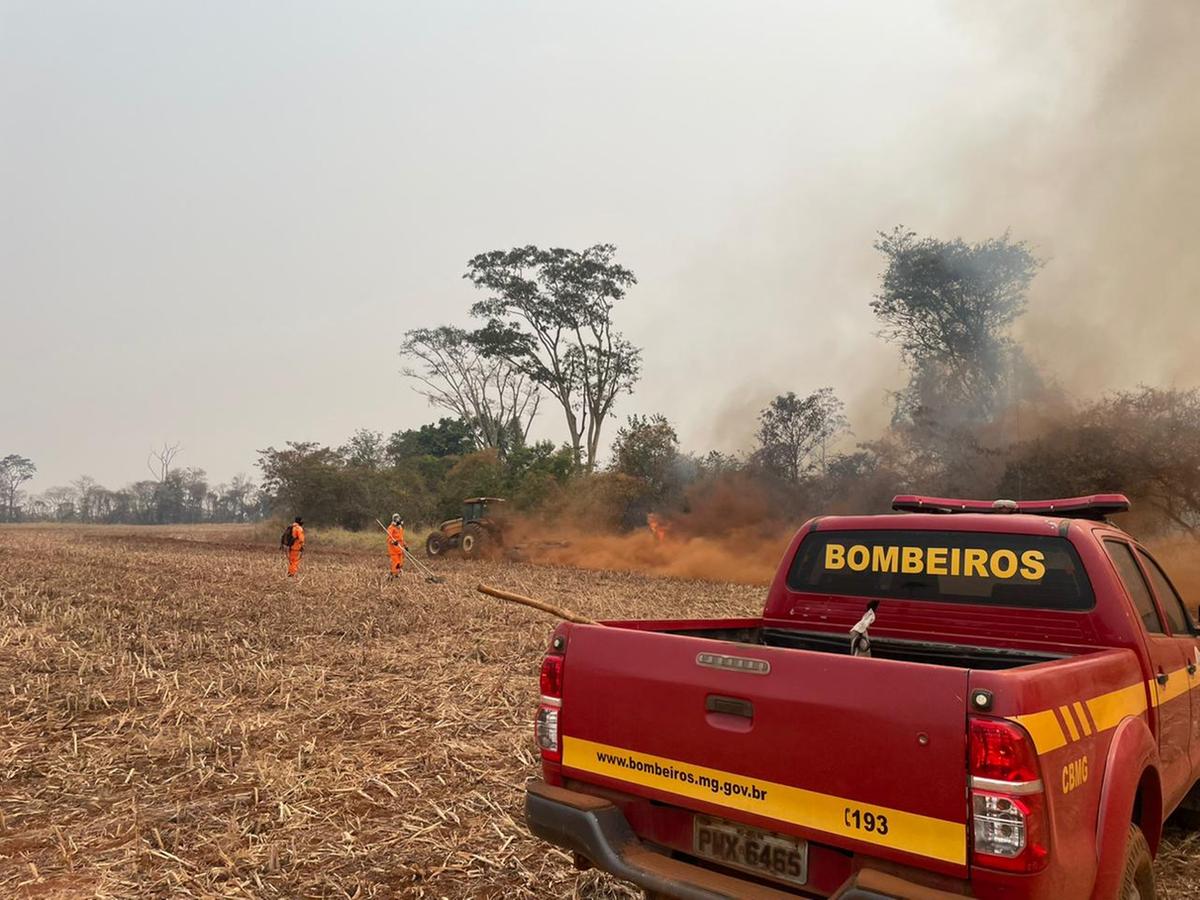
(596, 829)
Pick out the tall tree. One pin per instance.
(194, 489)
(305, 478)
(549, 315)
(87, 497)
(61, 503)
(647, 447)
(448, 437)
(159, 461)
(143, 501)
(237, 499)
(489, 393)
(14, 471)
(949, 306)
(366, 449)
(794, 433)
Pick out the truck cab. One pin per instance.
(1027, 717)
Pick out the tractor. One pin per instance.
(475, 533)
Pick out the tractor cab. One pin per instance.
(474, 533)
(477, 509)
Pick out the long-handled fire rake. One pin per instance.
(411, 557)
(429, 576)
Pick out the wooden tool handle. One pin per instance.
(536, 604)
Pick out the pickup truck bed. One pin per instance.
(754, 632)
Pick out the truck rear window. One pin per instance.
(1032, 571)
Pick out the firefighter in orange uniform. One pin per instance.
(296, 547)
(395, 532)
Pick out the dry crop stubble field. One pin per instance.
(181, 720)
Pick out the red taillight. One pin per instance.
(551, 679)
(545, 729)
(1008, 800)
(1002, 750)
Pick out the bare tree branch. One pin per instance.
(490, 395)
(159, 461)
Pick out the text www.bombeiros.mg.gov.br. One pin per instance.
(716, 785)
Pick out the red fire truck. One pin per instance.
(962, 698)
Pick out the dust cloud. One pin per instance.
(728, 532)
(741, 556)
(745, 553)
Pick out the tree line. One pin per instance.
(173, 496)
(975, 417)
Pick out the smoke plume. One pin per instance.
(1102, 178)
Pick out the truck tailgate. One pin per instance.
(864, 754)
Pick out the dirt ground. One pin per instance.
(179, 719)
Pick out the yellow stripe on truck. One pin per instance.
(1082, 716)
(1107, 711)
(1177, 685)
(1069, 721)
(894, 828)
(1044, 728)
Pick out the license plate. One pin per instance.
(762, 853)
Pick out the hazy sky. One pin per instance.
(219, 218)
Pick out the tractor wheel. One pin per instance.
(433, 544)
(474, 542)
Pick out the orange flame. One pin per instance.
(657, 526)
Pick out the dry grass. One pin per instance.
(180, 720)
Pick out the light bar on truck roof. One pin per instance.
(1093, 506)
